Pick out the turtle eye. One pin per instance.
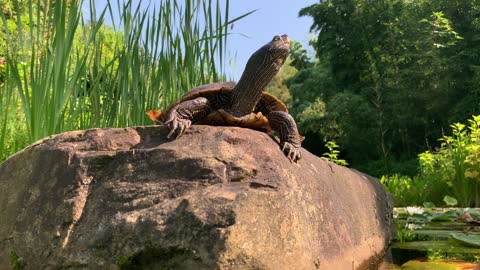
(276, 38)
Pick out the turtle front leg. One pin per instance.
(290, 139)
(182, 115)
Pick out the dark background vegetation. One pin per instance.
(388, 79)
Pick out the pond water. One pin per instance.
(436, 238)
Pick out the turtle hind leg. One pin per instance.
(180, 117)
(290, 139)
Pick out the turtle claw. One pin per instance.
(172, 125)
(183, 128)
(292, 152)
(177, 125)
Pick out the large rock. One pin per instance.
(216, 198)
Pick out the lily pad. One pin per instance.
(428, 205)
(446, 216)
(416, 218)
(454, 212)
(467, 239)
(447, 226)
(450, 201)
(442, 217)
(434, 234)
(446, 246)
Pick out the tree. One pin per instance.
(392, 75)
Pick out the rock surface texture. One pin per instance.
(216, 198)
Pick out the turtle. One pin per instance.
(242, 104)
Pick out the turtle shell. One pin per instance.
(267, 103)
(207, 88)
(256, 120)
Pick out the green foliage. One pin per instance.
(333, 154)
(407, 190)
(403, 234)
(449, 175)
(64, 73)
(298, 54)
(16, 262)
(392, 75)
(307, 106)
(13, 134)
(456, 163)
(442, 30)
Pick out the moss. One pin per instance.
(154, 258)
(16, 262)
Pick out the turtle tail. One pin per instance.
(155, 116)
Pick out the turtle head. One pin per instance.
(262, 66)
(269, 58)
(278, 49)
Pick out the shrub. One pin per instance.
(453, 171)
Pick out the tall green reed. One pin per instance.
(69, 73)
